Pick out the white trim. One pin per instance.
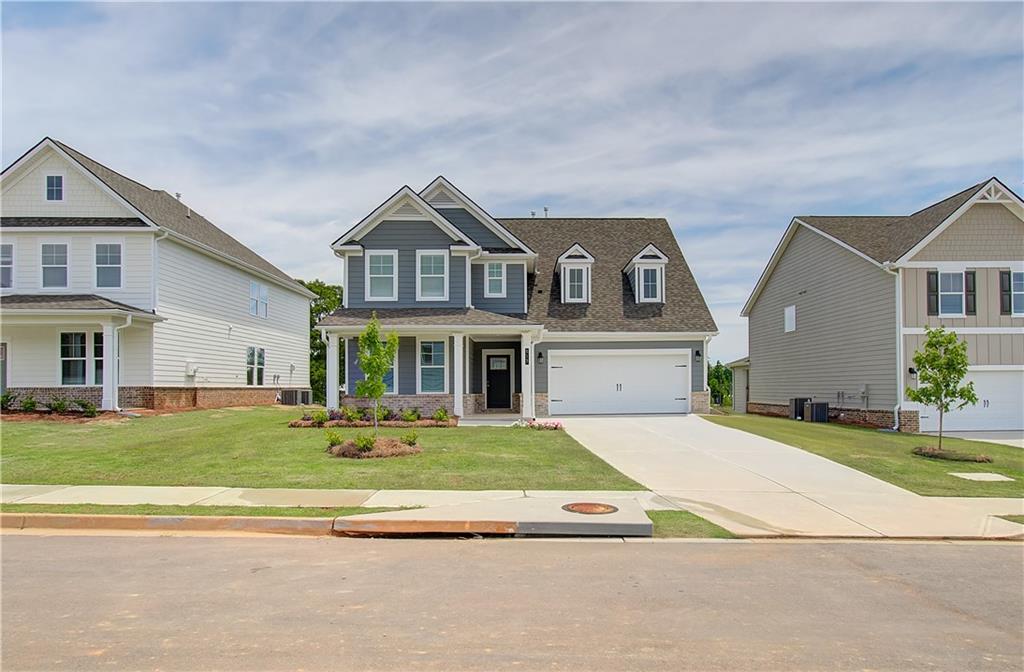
(255, 366)
(980, 196)
(526, 297)
(419, 276)
(789, 319)
(60, 316)
(920, 331)
(511, 371)
(469, 283)
(638, 259)
(611, 351)
(598, 336)
(260, 287)
(382, 211)
(659, 270)
(487, 280)
(496, 228)
(95, 267)
(412, 329)
(60, 358)
(63, 186)
(366, 276)
(67, 264)
(996, 367)
(77, 229)
(564, 271)
(1013, 311)
(419, 359)
(955, 271)
(1012, 265)
(576, 249)
(14, 265)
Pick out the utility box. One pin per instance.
(796, 407)
(816, 411)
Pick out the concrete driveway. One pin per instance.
(1009, 438)
(754, 486)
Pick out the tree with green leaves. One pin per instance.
(720, 382)
(941, 367)
(376, 357)
(328, 300)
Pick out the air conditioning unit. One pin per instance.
(816, 411)
(796, 407)
(296, 397)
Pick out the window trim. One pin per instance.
(92, 348)
(13, 262)
(419, 277)
(419, 362)
(261, 291)
(85, 359)
(67, 264)
(659, 271)
(1014, 313)
(962, 293)
(96, 266)
(63, 187)
(487, 280)
(366, 275)
(789, 319)
(565, 272)
(255, 366)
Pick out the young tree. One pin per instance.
(328, 300)
(941, 366)
(376, 357)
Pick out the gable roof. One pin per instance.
(613, 243)
(391, 209)
(70, 302)
(458, 198)
(880, 239)
(165, 211)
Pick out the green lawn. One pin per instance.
(256, 448)
(193, 510)
(685, 524)
(887, 455)
(1014, 519)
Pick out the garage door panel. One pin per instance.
(638, 382)
(1000, 405)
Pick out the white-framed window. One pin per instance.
(951, 294)
(494, 282)
(97, 358)
(651, 284)
(54, 264)
(55, 187)
(72, 358)
(381, 275)
(6, 266)
(575, 284)
(255, 362)
(789, 319)
(259, 299)
(431, 367)
(431, 275)
(108, 265)
(1017, 293)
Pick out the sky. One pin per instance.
(285, 124)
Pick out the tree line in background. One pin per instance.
(720, 384)
(328, 300)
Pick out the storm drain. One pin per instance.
(590, 508)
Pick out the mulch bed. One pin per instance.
(933, 452)
(426, 422)
(66, 418)
(382, 447)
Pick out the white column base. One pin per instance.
(458, 376)
(332, 371)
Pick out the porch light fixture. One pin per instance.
(912, 371)
(696, 356)
(540, 357)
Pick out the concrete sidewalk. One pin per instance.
(754, 486)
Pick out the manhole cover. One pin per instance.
(590, 508)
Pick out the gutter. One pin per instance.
(888, 268)
(155, 267)
(116, 372)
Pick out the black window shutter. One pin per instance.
(970, 295)
(933, 293)
(1005, 296)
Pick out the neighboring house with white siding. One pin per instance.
(539, 316)
(121, 295)
(843, 304)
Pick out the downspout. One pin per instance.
(155, 276)
(117, 360)
(469, 275)
(888, 268)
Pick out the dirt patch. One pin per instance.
(65, 418)
(382, 447)
(933, 452)
(426, 422)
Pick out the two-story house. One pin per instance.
(537, 316)
(123, 296)
(843, 304)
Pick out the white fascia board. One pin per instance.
(494, 225)
(124, 230)
(639, 258)
(562, 336)
(576, 248)
(41, 316)
(958, 213)
(433, 329)
(382, 211)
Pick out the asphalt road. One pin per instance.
(187, 603)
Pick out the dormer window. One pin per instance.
(55, 187)
(646, 273)
(574, 271)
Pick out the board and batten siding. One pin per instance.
(986, 232)
(986, 283)
(25, 196)
(541, 370)
(515, 290)
(845, 335)
(406, 237)
(136, 264)
(206, 306)
(407, 355)
(982, 350)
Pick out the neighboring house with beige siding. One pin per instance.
(843, 304)
(121, 295)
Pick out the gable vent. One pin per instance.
(406, 209)
(442, 199)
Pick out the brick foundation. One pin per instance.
(474, 404)
(700, 402)
(910, 422)
(43, 395)
(871, 417)
(540, 404)
(427, 403)
(141, 396)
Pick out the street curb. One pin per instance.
(320, 527)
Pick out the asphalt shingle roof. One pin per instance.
(65, 302)
(16, 222)
(394, 317)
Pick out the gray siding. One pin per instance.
(845, 334)
(406, 237)
(406, 365)
(512, 304)
(475, 381)
(696, 368)
(739, 389)
(472, 227)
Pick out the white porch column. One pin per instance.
(458, 374)
(109, 401)
(527, 356)
(332, 371)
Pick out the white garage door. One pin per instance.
(1000, 405)
(618, 381)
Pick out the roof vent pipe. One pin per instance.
(533, 213)
(545, 211)
(177, 195)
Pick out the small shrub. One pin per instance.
(334, 438)
(88, 408)
(7, 400)
(306, 417)
(334, 414)
(383, 413)
(410, 438)
(59, 405)
(320, 417)
(936, 453)
(411, 415)
(543, 425)
(29, 403)
(441, 415)
(364, 442)
(351, 413)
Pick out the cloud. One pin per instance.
(285, 123)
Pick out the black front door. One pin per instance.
(499, 379)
